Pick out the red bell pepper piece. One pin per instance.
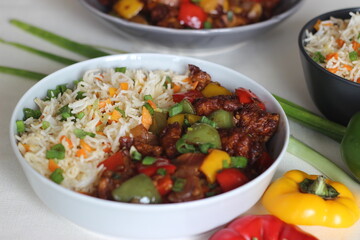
(190, 95)
(247, 96)
(150, 170)
(163, 184)
(192, 15)
(114, 161)
(261, 227)
(231, 178)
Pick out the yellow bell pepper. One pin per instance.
(213, 89)
(128, 8)
(213, 163)
(177, 118)
(210, 6)
(320, 202)
(180, 118)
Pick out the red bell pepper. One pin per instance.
(163, 184)
(261, 227)
(192, 15)
(247, 96)
(114, 161)
(231, 178)
(190, 95)
(150, 170)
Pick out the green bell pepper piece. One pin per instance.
(139, 189)
(222, 118)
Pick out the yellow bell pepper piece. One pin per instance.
(210, 6)
(192, 118)
(177, 118)
(284, 199)
(213, 89)
(128, 8)
(213, 163)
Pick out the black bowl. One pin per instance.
(337, 98)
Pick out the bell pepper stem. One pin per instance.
(318, 187)
(323, 164)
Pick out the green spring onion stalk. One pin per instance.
(82, 49)
(56, 58)
(311, 120)
(22, 73)
(348, 137)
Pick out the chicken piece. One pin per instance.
(257, 122)
(237, 142)
(168, 138)
(197, 75)
(205, 106)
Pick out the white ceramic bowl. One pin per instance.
(192, 39)
(163, 221)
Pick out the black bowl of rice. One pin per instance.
(330, 54)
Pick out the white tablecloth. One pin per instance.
(272, 60)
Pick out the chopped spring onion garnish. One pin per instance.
(56, 152)
(179, 184)
(45, 125)
(122, 112)
(82, 134)
(318, 57)
(148, 160)
(239, 162)
(28, 113)
(57, 176)
(208, 121)
(120, 69)
(353, 56)
(149, 108)
(161, 171)
(148, 97)
(80, 95)
(20, 126)
(135, 154)
(175, 109)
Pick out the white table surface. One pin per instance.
(272, 60)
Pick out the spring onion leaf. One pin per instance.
(56, 152)
(80, 115)
(79, 48)
(148, 97)
(22, 73)
(122, 112)
(41, 53)
(57, 176)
